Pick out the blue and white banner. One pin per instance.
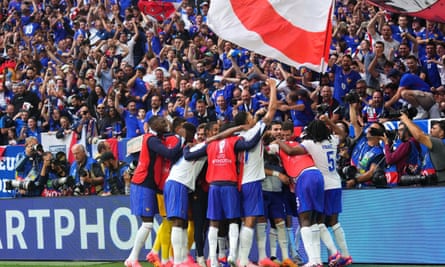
(68, 228)
(399, 225)
(7, 168)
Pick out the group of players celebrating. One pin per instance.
(234, 180)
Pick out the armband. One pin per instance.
(275, 173)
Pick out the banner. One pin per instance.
(426, 9)
(134, 145)
(52, 144)
(7, 169)
(398, 225)
(69, 228)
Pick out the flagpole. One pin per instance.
(327, 42)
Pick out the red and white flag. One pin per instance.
(294, 32)
(159, 9)
(426, 9)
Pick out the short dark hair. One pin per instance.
(210, 124)
(177, 121)
(202, 126)
(287, 125)
(101, 146)
(240, 118)
(226, 126)
(275, 122)
(440, 123)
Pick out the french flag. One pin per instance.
(159, 9)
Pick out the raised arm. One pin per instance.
(117, 106)
(227, 133)
(337, 130)
(394, 98)
(199, 153)
(358, 129)
(242, 145)
(291, 150)
(272, 108)
(156, 145)
(416, 132)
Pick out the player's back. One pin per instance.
(325, 158)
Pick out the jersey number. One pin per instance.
(331, 160)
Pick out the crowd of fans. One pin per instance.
(104, 68)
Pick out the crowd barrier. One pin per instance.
(398, 226)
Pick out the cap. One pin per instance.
(164, 71)
(65, 68)
(253, 76)
(141, 68)
(205, 3)
(416, 19)
(217, 78)
(83, 86)
(106, 156)
(393, 73)
(58, 78)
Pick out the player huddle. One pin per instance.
(228, 181)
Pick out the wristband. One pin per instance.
(275, 173)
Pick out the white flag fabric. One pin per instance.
(295, 32)
(426, 9)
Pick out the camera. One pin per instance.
(376, 131)
(392, 135)
(83, 172)
(394, 114)
(379, 178)
(57, 183)
(349, 172)
(38, 148)
(79, 189)
(24, 185)
(322, 108)
(132, 167)
(351, 97)
(37, 151)
(114, 186)
(411, 180)
(234, 101)
(406, 180)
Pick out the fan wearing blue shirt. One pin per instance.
(345, 78)
(414, 90)
(130, 116)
